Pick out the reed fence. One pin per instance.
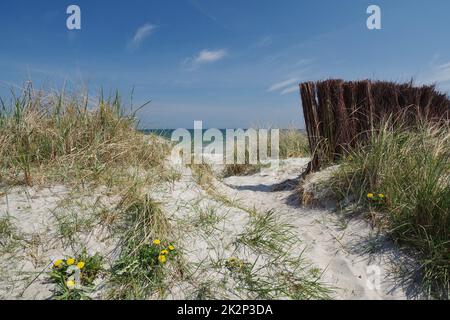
(339, 115)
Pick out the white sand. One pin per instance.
(332, 247)
(34, 212)
(342, 251)
(338, 248)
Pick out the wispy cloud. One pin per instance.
(264, 42)
(282, 85)
(140, 35)
(304, 62)
(199, 8)
(290, 90)
(438, 74)
(205, 56)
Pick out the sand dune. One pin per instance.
(210, 228)
(340, 247)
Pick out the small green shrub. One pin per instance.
(74, 277)
(139, 271)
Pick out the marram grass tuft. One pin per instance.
(53, 137)
(402, 176)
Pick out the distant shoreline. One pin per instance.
(167, 133)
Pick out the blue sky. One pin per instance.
(230, 63)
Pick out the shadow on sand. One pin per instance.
(404, 270)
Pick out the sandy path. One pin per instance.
(341, 248)
(334, 247)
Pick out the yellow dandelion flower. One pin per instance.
(70, 284)
(162, 258)
(164, 252)
(80, 265)
(58, 263)
(370, 195)
(156, 241)
(70, 261)
(171, 248)
(381, 195)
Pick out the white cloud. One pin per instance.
(304, 62)
(205, 56)
(438, 74)
(441, 73)
(264, 42)
(141, 34)
(281, 85)
(290, 90)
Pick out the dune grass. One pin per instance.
(279, 269)
(292, 144)
(58, 138)
(55, 138)
(402, 178)
(9, 238)
(138, 273)
(244, 169)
